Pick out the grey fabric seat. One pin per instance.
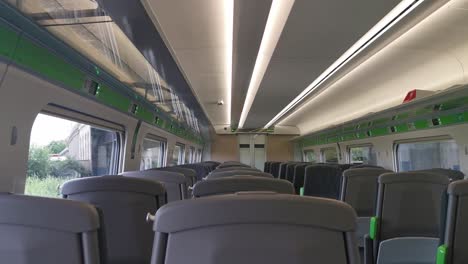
(455, 228)
(124, 203)
(359, 189)
(323, 181)
(238, 173)
(175, 184)
(299, 172)
(358, 166)
(283, 170)
(241, 184)
(266, 167)
(48, 231)
(232, 164)
(453, 175)
(274, 168)
(256, 228)
(408, 206)
(190, 174)
(234, 168)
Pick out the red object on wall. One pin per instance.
(410, 96)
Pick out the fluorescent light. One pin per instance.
(393, 17)
(277, 18)
(229, 39)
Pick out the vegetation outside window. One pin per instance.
(362, 154)
(61, 149)
(427, 155)
(329, 155)
(152, 155)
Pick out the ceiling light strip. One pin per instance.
(399, 12)
(279, 13)
(229, 40)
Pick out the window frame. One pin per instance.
(348, 150)
(152, 137)
(322, 154)
(396, 144)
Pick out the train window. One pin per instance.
(362, 154)
(61, 150)
(178, 154)
(153, 152)
(309, 156)
(329, 155)
(427, 154)
(192, 156)
(199, 155)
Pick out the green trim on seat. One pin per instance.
(373, 227)
(301, 192)
(441, 254)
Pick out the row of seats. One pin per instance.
(404, 194)
(239, 218)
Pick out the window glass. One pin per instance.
(192, 155)
(199, 155)
(178, 154)
(427, 155)
(152, 155)
(329, 155)
(309, 156)
(61, 149)
(362, 154)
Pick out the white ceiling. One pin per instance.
(194, 30)
(431, 56)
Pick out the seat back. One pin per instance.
(241, 184)
(358, 166)
(257, 228)
(175, 184)
(232, 164)
(200, 169)
(190, 174)
(238, 173)
(283, 169)
(275, 169)
(359, 189)
(408, 205)
(322, 181)
(299, 172)
(124, 203)
(234, 168)
(48, 231)
(455, 237)
(453, 175)
(266, 167)
(290, 171)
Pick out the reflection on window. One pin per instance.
(364, 154)
(178, 155)
(329, 155)
(61, 150)
(309, 156)
(427, 155)
(152, 155)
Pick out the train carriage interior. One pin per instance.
(233, 131)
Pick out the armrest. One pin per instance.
(368, 250)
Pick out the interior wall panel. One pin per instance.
(279, 148)
(225, 148)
